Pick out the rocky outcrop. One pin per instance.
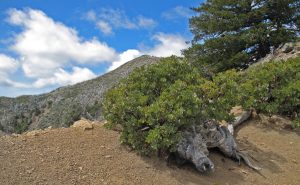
(283, 52)
(65, 105)
(83, 124)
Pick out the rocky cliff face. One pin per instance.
(63, 106)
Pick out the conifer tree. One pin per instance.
(235, 33)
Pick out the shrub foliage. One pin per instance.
(156, 103)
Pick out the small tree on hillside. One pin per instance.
(233, 33)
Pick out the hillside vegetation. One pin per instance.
(156, 104)
(236, 33)
(65, 105)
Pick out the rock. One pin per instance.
(288, 47)
(254, 114)
(32, 133)
(283, 52)
(237, 110)
(108, 156)
(30, 171)
(83, 124)
(244, 172)
(49, 128)
(276, 121)
(15, 135)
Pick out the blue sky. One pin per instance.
(47, 44)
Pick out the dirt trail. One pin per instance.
(74, 156)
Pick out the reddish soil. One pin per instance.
(95, 156)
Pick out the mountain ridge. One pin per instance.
(64, 105)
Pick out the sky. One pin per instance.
(46, 44)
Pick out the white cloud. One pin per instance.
(91, 15)
(7, 64)
(117, 18)
(104, 27)
(177, 12)
(45, 48)
(124, 57)
(62, 77)
(145, 22)
(168, 44)
(45, 45)
(108, 19)
(6, 82)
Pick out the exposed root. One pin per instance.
(196, 141)
(247, 161)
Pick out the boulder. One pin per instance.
(288, 47)
(83, 124)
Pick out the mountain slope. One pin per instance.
(63, 106)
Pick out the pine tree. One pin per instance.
(234, 33)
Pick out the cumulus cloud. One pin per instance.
(167, 45)
(8, 66)
(45, 46)
(6, 82)
(177, 13)
(124, 57)
(107, 19)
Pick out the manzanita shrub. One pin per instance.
(154, 104)
(273, 88)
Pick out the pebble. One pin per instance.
(108, 156)
(30, 171)
(244, 172)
